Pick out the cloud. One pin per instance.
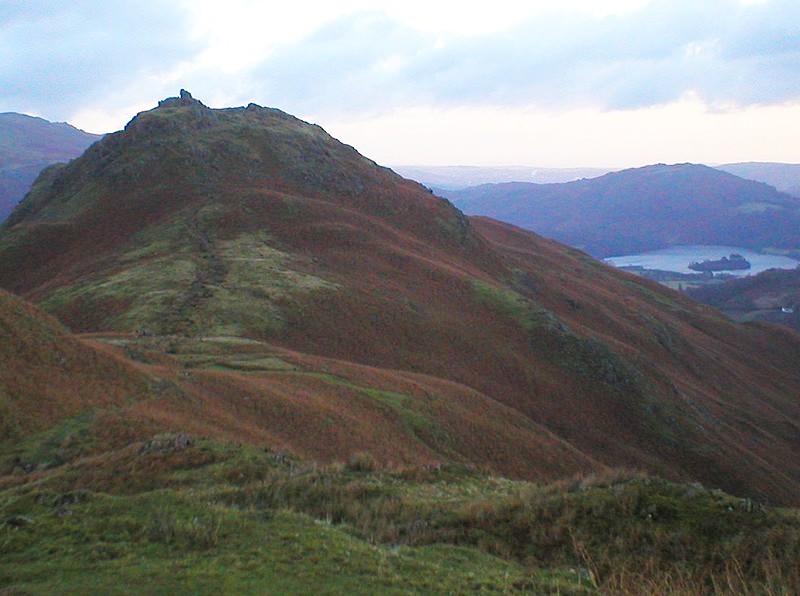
(725, 52)
(97, 59)
(55, 57)
(354, 61)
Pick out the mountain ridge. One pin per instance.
(460, 177)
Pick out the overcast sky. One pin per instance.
(546, 83)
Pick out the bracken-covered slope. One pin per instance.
(316, 301)
(64, 397)
(48, 375)
(27, 146)
(643, 209)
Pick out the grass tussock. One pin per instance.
(196, 532)
(625, 528)
(361, 462)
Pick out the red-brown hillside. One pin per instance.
(47, 375)
(63, 397)
(247, 223)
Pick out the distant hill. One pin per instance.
(27, 146)
(645, 209)
(459, 177)
(283, 291)
(772, 296)
(783, 176)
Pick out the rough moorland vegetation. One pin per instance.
(196, 516)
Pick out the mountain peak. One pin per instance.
(663, 168)
(184, 153)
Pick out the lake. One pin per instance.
(677, 258)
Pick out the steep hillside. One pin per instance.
(320, 303)
(645, 209)
(27, 146)
(47, 375)
(64, 398)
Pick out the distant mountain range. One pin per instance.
(459, 177)
(783, 176)
(643, 209)
(27, 146)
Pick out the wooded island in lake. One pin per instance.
(733, 263)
